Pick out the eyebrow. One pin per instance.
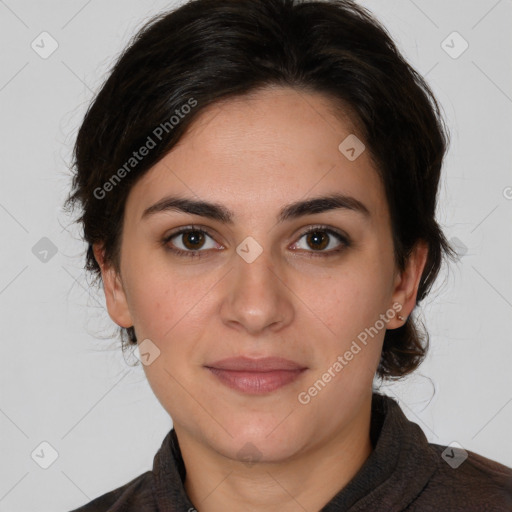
(221, 213)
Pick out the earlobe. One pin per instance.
(115, 296)
(407, 284)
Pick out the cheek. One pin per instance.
(169, 309)
(347, 309)
(153, 293)
(152, 307)
(352, 344)
(351, 299)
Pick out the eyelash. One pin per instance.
(197, 254)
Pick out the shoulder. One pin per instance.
(465, 480)
(136, 495)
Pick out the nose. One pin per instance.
(257, 298)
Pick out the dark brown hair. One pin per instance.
(210, 50)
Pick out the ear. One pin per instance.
(407, 283)
(115, 295)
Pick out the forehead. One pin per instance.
(258, 152)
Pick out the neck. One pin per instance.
(306, 481)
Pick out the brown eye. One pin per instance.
(190, 242)
(193, 240)
(317, 240)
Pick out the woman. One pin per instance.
(258, 184)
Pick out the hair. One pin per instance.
(206, 51)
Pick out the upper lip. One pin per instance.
(265, 364)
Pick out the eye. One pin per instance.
(191, 240)
(320, 237)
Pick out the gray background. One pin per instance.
(64, 379)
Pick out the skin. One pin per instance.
(256, 154)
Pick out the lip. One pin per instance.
(256, 376)
(263, 364)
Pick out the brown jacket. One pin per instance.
(403, 473)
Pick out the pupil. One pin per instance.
(317, 237)
(194, 238)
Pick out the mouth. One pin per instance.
(256, 376)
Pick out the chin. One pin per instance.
(267, 441)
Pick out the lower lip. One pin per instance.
(256, 383)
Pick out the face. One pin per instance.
(259, 285)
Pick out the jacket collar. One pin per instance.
(396, 471)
